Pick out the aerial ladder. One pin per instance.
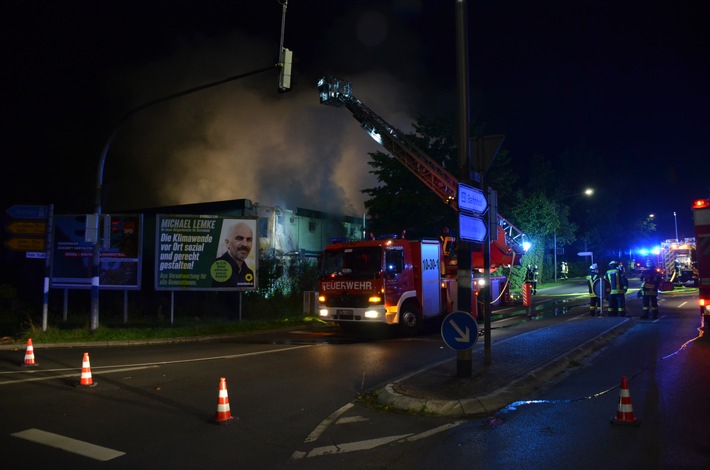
(506, 246)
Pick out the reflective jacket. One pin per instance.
(650, 283)
(618, 282)
(590, 283)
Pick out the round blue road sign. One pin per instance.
(459, 331)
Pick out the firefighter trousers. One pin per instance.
(617, 305)
(650, 302)
(594, 306)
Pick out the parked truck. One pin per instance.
(701, 223)
(391, 280)
(676, 258)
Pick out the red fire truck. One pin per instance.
(701, 222)
(391, 280)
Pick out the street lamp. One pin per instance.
(675, 221)
(587, 192)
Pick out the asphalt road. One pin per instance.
(293, 399)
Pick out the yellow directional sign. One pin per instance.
(25, 244)
(29, 228)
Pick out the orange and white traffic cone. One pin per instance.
(625, 411)
(29, 354)
(86, 380)
(224, 415)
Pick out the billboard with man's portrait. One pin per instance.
(200, 252)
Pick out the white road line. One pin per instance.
(75, 374)
(431, 432)
(68, 444)
(129, 367)
(315, 434)
(354, 446)
(352, 419)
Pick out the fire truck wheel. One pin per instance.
(410, 321)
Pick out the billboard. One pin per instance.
(119, 255)
(205, 252)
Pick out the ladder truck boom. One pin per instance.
(336, 92)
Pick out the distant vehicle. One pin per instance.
(677, 260)
(701, 222)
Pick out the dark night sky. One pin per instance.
(623, 82)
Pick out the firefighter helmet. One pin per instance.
(594, 267)
(613, 264)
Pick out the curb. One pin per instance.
(516, 390)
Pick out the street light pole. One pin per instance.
(554, 240)
(95, 270)
(675, 221)
(587, 192)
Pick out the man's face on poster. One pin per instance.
(239, 242)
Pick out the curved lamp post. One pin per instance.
(587, 192)
(95, 271)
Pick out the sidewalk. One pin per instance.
(520, 364)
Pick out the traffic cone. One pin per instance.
(29, 354)
(223, 415)
(625, 411)
(86, 380)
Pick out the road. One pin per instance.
(293, 397)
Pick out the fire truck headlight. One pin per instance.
(375, 299)
(321, 299)
(323, 312)
(372, 314)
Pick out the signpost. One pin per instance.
(459, 331)
(28, 212)
(31, 232)
(30, 228)
(25, 244)
(472, 228)
(586, 253)
(471, 199)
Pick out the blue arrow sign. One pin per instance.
(471, 199)
(28, 212)
(472, 228)
(459, 331)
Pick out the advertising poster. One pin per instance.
(199, 252)
(119, 254)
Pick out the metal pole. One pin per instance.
(554, 241)
(675, 220)
(463, 252)
(47, 266)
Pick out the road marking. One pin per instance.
(431, 432)
(315, 434)
(64, 376)
(354, 446)
(68, 444)
(352, 419)
(129, 367)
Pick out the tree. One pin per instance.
(537, 217)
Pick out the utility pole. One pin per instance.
(463, 250)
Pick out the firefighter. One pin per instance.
(650, 283)
(594, 301)
(619, 285)
(529, 276)
(564, 269)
